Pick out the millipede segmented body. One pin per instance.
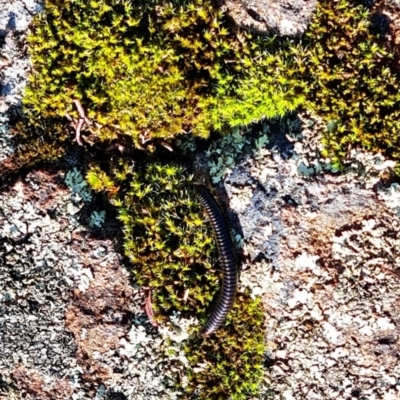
(228, 262)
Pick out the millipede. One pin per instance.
(227, 258)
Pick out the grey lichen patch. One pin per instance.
(336, 319)
(368, 167)
(296, 137)
(80, 190)
(71, 326)
(97, 219)
(81, 193)
(222, 154)
(15, 64)
(35, 258)
(155, 363)
(391, 196)
(6, 146)
(287, 17)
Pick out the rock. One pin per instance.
(15, 65)
(322, 250)
(286, 17)
(71, 325)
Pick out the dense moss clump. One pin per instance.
(36, 140)
(166, 241)
(352, 81)
(230, 363)
(172, 251)
(154, 69)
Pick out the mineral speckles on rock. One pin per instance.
(6, 147)
(34, 260)
(152, 363)
(109, 298)
(332, 330)
(36, 385)
(391, 196)
(15, 65)
(67, 309)
(324, 256)
(15, 17)
(287, 17)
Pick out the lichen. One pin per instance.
(80, 190)
(97, 218)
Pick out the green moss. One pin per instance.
(154, 69)
(172, 251)
(166, 240)
(228, 365)
(35, 141)
(352, 81)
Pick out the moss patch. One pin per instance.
(154, 69)
(172, 251)
(352, 81)
(228, 365)
(150, 70)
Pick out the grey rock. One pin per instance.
(15, 65)
(322, 251)
(286, 17)
(52, 271)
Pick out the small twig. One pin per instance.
(82, 120)
(144, 139)
(78, 131)
(166, 145)
(149, 310)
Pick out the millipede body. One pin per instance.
(228, 262)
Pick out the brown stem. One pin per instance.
(82, 120)
(149, 310)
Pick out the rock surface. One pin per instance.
(286, 17)
(71, 326)
(15, 65)
(322, 250)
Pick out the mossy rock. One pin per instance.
(172, 250)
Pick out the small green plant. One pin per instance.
(166, 241)
(171, 248)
